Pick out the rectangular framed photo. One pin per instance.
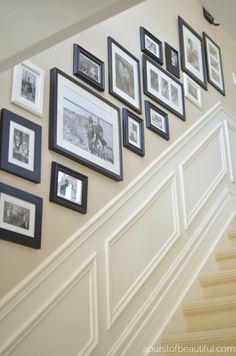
(133, 132)
(172, 60)
(157, 120)
(151, 46)
(84, 126)
(20, 143)
(192, 91)
(20, 216)
(192, 53)
(68, 188)
(214, 64)
(124, 75)
(28, 87)
(88, 67)
(160, 86)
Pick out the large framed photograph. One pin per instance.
(214, 64)
(151, 46)
(20, 216)
(124, 75)
(133, 132)
(88, 67)
(160, 86)
(20, 143)
(68, 188)
(84, 126)
(192, 91)
(172, 60)
(28, 87)
(192, 53)
(157, 120)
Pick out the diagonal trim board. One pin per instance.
(41, 283)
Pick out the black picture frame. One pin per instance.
(133, 132)
(157, 120)
(20, 142)
(83, 126)
(88, 67)
(172, 60)
(124, 75)
(192, 53)
(20, 216)
(163, 88)
(151, 45)
(68, 188)
(214, 65)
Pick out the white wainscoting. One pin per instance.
(111, 288)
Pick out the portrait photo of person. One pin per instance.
(124, 76)
(192, 54)
(28, 85)
(21, 146)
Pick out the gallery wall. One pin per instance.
(59, 223)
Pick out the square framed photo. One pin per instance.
(28, 87)
(192, 53)
(68, 188)
(172, 60)
(88, 67)
(20, 216)
(157, 120)
(124, 75)
(214, 64)
(192, 91)
(84, 126)
(151, 46)
(20, 142)
(133, 132)
(160, 86)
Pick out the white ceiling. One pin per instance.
(224, 12)
(28, 27)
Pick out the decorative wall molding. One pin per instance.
(170, 183)
(217, 176)
(160, 281)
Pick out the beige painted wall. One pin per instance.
(59, 223)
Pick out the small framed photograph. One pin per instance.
(192, 91)
(133, 132)
(20, 216)
(162, 87)
(172, 60)
(214, 64)
(84, 126)
(157, 120)
(88, 67)
(192, 53)
(20, 142)
(151, 46)
(68, 188)
(28, 87)
(124, 75)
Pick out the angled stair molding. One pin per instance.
(125, 313)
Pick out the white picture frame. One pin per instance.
(28, 87)
(192, 91)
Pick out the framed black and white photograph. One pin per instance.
(192, 53)
(84, 126)
(157, 120)
(214, 64)
(151, 46)
(172, 60)
(68, 188)
(124, 75)
(20, 216)
(133, 132)
(20, 143)
(28, 87)
(192, 91)
(88, 67)
(162, 87)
